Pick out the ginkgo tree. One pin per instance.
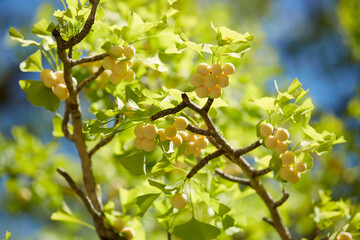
(172, 136)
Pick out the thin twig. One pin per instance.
(89, 59)
(258, 173)
(247, 149)
(284, 197)
(168, 111)
(204, 161)
(269, 221)
(208, 104)
(197, 130)
(89, 79)
(64, 125)
(230, 178)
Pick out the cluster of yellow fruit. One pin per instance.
(179, 200)
(119, 227)
(145, 137)
(120, 69)
(291, 169)
(56, 81)
(209, 81)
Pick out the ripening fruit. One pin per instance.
(300, 166)
(216, 68)
(177, 140)
(170, 131)
(129, 62)
(115, 78)
(61, 92)
(179, 200)
(202, 92)
(129, 51)
(162, 135)
(138, 143)
(202, 142)
(49, 80)
(294, 177)
(24, 195)
(215, 92)
(271, 142)
(59, 77)
(129, 76)
(196, 80)
(210, 80)
(116, 51)
(139, 131)
(128, 232)
(223, 81)
(108, 63)
(121, 68)
(190, 137)
(266, 130)
(203, 69)
(118, 225)
(183, 135)
(288, 158)
(197, 152)
(344, 236)
(281, 147)
(148, 145)
(181, 123)
(150, 131)
(282, 134)
(286, 172)
(190, 148)
(228, 68)
(44, 73)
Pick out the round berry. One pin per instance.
(197, 152)
(203, 69)
(108, 63)
(177, 140)
(282, 134)
(210, 81)
(129, 51)
(266, 130)
(281, 147)
(190, 148)
(215, 92)
(139, 131)
(60, 77)
(181, 123)
(196, 79)
(190, 137)
(170, 131)
(344, 236)
(288, 158)
(61, 92)
(148, 145)
(223, 81)
(128, 232)
(138, 143)
(202, 142)
(183, 135)
(228, 68)
(202, 92)
(179, 200)
(116, 51)
(118, 225)
(270, 142)
(294, 177)
(162, 135)
(286, 172)
(49, 78)
(150, 131)
(216, 68)
(300, 166)
(115, 78)
(121, 68)
(129, 76)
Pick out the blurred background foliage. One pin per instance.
(316, 41)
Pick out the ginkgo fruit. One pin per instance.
(108, 63)
(223, 81)
(121, 68)
(197, 152)
(281, 147)
(161, 133)
(179, 200)
(210, 80)
(202, 92)
(139, 131)
(129, 51)
(181, 123)
(270, 142)
(138, 143)
(183, 135)
(202, 142)
(115, 78)
(60, 90)
(190, 137)
(48, 78)
(196, 79)
(216, 68)
(129, 76)
(118, 225)
(177, 140)
(344, 236)
(116, 51)
(148, 145)
(288, 158)
(215, 92)
(128, 232)
(286, 172)
(300, 166)
(266, 130)
(59, 77)
(203, 69)
(190, 148)
(150, 131)
(228, 68)
(170, 131)
(282, 134)
(294, 177)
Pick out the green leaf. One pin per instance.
(8, 235)
(228, 222)
(145, 201)
(40, 28)
(16, 36)
(155, 63)
(164, 188)
(39, 95)
(295, 85)
(32, 63)
(136, 163)
(266, 103)
(195, 230)
(226, 35)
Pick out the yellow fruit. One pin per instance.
(129, 62)
(197, 152)
(118, 225)
(129, 76)
(139, 131)
(281, 147)
(228, 68)
(59, 77)
(177, 140)
(344, 236)
(108, 63)
(150, 131)
(190, 137)
(181, 123)
(196, 79)
(300, 166)
(179, 200)
(216, 68)
(170, 131)
(162, 135)
(183, 135)
(288, 158)
(138, 143)
(210, 81)
(190, 148)
(129, 51)
(294, 177)
(121, 68)
(116, 51)
(128, 232)
(48, 77)
(203, 69)
(148, 145)
(115, 78)
(223, 81)
(202, 92)
(286, 172)
(282, 134)
(202, 142)
(215, 92)
(271, 142)
(266, 130)
(61, 92)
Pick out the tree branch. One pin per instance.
(247, 149)
(89, 59)
(204, 161)
(239, 180)
(282, 200)
(269, 221)
(168, 111)
(208, 104)
(258, 173)
(64, 125)
(89, 79)
(199, 131)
